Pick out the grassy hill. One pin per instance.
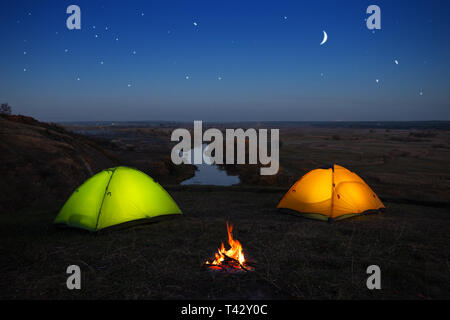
(41, 163)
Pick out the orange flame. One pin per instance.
(235, 252)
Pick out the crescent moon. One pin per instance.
(325, 38)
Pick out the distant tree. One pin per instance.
(5, 108)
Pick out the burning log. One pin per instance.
(231, 260)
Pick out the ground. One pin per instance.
(296, 258)
(406, 164)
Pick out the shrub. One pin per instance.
(5, 108)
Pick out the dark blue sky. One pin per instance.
(244, 60)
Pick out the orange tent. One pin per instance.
(333, 193)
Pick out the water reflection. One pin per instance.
(207, 173)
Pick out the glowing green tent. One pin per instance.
(115, 196)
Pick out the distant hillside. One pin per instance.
(40, 161)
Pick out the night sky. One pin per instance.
(226, 60)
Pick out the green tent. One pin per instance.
(115, 196)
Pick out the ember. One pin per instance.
(231, 260)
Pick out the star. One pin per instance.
(187, 77)
(24, 69)
(96, 36)
(134, 52)
(66, 50)
(78, 79)
(117, 38)
(24, 52)
(101, 62)
(285, 18)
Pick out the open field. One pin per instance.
(401, 160)
(296, 258)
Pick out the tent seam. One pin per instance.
(103, 200)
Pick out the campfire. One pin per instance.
(231, 260)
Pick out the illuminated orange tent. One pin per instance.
(331, 194)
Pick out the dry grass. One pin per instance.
(296, 258)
